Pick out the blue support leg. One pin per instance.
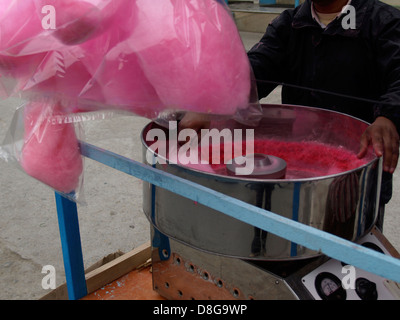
(71, 246)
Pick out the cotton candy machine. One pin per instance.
(324, 184)
(304, 166)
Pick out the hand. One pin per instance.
(383, 136)
(195, 121)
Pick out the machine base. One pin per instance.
(184, 273)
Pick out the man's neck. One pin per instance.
(330, 6)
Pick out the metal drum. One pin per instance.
(343, 203)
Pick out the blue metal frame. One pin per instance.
(71, 246)
(314, 239)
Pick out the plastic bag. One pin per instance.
(44, 142)
(143, 56)
(151, 58)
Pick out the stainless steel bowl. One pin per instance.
(344, 203)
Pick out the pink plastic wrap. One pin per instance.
(195, 60)
(185, 55)
(51, 152)
(44, 142)
(149, 57)
(18, 62)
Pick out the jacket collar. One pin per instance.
(303, 18)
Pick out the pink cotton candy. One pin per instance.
(123, 85)
(77, 21)
(119, 81)
(19, 57)
(304, 159)
(19, 25)
(192, 54)
(184, 55)
(307, 159)
(144, 56)
(51, 151)
(81, 20)
(69, 71)
(61, 72)
(62, 75)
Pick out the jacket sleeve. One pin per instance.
(267, 56)
(388, 59)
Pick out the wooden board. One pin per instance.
(108, 272)
(136, 285)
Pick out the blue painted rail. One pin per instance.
(328, 244)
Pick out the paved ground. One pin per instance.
(111, 221)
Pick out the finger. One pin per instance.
(394, 163)
(395, 155)
(391, 152)
(364, 143)
(187, 132)
(185, 123)
(388, 147)
(378, 145)
(193, 121)
(396, 151)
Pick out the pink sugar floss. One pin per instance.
(145, 57)
(304, 159)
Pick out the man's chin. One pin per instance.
(323, 3)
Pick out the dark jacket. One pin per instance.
(363, 62)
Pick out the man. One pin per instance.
(313, 47)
